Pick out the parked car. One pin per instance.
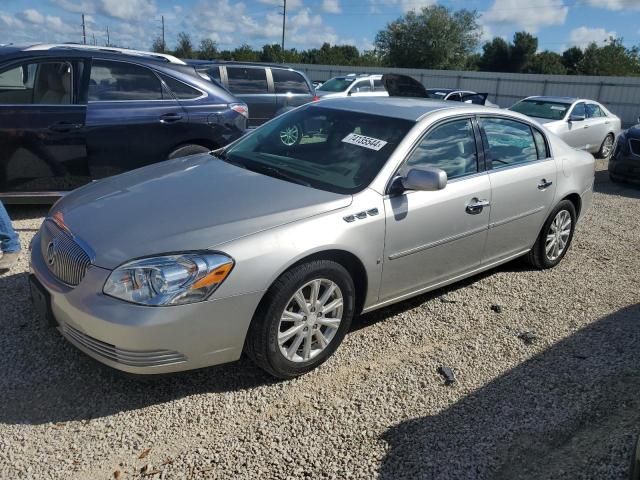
(268, 90)
(624, 163)
(70, 114)
(362, 85)
(465, 96)
(271, 248)
(582, 123)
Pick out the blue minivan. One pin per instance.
(71, 114)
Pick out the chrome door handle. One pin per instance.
(544, 184)
(476, 205)
(170, 118)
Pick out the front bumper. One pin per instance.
(146, 340)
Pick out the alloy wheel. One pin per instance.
(558, 235)
(607, 146)
(310, 320)
(290, 135)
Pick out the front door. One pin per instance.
(42, 135)
(132, 120)
(435, 236)
(577, 131)
(523, 184)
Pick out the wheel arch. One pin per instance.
(576, 200)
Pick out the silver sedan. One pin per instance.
(582, 123)
(270, 247)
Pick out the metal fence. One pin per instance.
(620, 94)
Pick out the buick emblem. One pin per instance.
(51, 253)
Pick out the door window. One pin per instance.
(361, 86)
(378, 86)
(286, 81)
(450, 147)
(118, 81)
(594, 111)
(541, 145)
(579, 110)
(510, 142)
(48, 83)
(454, 97)
(247, 80)
(181, 90)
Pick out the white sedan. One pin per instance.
(581, 123)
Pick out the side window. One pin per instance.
(593, 111)
(117, 81)
(450, 146)
(378, 86)
(361, 86)
(247, 80)
(541, 145)
(213, 72)
(286, 81)
(579, 110)
(181, 90)
(47, 83)
(510, 142)
(454, 97)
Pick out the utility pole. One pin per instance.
(93, 36)
(108, 39)
(84, 32)
(164, 45)
(284, 21)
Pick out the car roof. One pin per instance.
(566, 100)
(206, 63)
(405, 108)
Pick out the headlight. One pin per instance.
(169, 280)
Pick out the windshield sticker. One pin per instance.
(553, 107)
(366, 142)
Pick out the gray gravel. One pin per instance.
(546, 386)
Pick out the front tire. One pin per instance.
(555, 237)
(302, 320)
(606, 148)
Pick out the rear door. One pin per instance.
(132, 119)
(250, 85)
(42, 135)
(523, 184)
(291, 88)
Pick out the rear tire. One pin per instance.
(271, 342)
(555, 237)
(190, 149)
(606, 148)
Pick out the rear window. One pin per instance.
(286, 81)
(117, 81)
(542, 109)
(180, 89)
(329, 149)
(247, 80)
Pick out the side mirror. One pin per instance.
(426, 179)
(577, 118)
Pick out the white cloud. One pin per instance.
(331, 6)
(512, 12)
(33, 16)
(120, 9)
(615, 4)
(291, 4)
(10, 21)
(583, 36)
(405, 5)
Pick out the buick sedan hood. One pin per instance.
(191, 203)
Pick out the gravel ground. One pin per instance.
(546, 385)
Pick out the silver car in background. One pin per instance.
(352, 85)
(271, 248)
(583, 124)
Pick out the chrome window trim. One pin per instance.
(442, 241)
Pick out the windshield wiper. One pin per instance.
(275, 172)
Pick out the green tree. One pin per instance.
(571, 59)
(435, 37)
(495, 56)
(611, 59)
(184, 47)
(547, 62)
(522, 51)
(158, 45)
(244, 53)
(208, 49)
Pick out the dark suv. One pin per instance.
(268, 90)
(70, 114)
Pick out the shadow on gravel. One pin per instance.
(603, 184)
(570, 412)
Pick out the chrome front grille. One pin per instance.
(634, 144)
(133, 358)
(64, 257)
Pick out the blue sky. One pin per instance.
(134, 23)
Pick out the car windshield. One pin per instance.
(335, 150)
(338, 84)
(542, 109)
(437, 94)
